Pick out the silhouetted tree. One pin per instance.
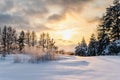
(11, 39)
(21, 40)
(28, 38)
(42, 41)
(33, 38)
(112, 20)
(92, 47)
(114, 48)
(103, 38)
(46, 42)
(81, 49)
(4, 40)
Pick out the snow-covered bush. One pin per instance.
(35, 55)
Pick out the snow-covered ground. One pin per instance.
(68, 68)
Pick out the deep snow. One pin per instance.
(68, 68)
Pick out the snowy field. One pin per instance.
(68, 68)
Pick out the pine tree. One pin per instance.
(21, 40)
(83, 43)
(51, 44)
(103, 38)
(28, 38)
(4, 40)
(48, 45)
(92, 48)
(46, 42)
(42, 41)
(114, 48)
(112, 20)
(11, 39)
(81, 49)
(33, 38)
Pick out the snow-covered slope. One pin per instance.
(68, 68)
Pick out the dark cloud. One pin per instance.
(56, 17)
(95, 19)
(75, 5)
(31, 7)
(66, 2)
(11, 19)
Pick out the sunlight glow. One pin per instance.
(67, 35)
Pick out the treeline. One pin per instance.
(11, 41)
(108, 40)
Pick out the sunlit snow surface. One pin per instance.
(67, 68)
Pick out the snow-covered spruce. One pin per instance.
(81, 49)
(113, 48)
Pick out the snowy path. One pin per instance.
(69, 68)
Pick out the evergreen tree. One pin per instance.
(83, 43)
(33, 38)
(112, 20)
(4, 40)
(42, 41)
(103, 39)
(92, 48)
(28, 38)
(46, 42)
(81, 49)
(114, 48)
(11, 39)
(48, 45)
(21, 40)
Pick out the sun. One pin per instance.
(67, 35)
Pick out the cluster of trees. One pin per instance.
(83, 50)
(108, 40)
(10, 41)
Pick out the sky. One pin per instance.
(67, 21)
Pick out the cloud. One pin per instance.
(6, 5)
(23, 12)
(67, 6)
(41, 27)
(56, 17)
(31, 7)
(95, 19)
(11, 19)
(71, 4)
